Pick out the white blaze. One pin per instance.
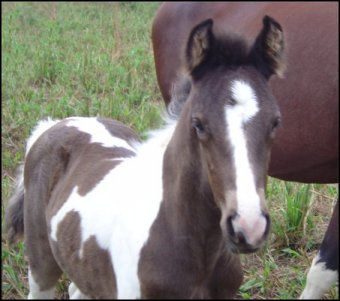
(248, 200)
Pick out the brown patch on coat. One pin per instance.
(118, 129)
(93, 271)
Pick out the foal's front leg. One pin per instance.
(227, 277)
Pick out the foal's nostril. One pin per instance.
(237, 236)
(248, 230)
(268, 223)
(230, 227)
(241, 238)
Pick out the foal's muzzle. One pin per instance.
(247, 235)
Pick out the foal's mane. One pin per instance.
(179, 94)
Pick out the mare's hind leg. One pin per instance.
(325, 266)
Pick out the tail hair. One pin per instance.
(15, 211)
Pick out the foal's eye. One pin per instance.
(199, 127)
(276, 122)
(232, 101)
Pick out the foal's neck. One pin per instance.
(185, 241)
(187, 196)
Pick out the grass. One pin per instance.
(294, 209)
(300, 214)
(89, 59)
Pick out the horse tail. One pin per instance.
(14, 220)
(15, 210)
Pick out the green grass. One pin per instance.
(89, 59)
(77, 59)
(295, 202)
(299, 214)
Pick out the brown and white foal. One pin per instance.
(163, 218)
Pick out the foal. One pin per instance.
(167, 217)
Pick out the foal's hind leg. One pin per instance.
(75, 293)
(36, 292)
(43, 272)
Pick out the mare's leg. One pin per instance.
(325, 266)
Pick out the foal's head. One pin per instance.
(232, 116)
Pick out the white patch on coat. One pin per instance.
(98, 132)
(248, 201)
(75, 293)
(121, 208)
(319, 280)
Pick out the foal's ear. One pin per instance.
(267, 51)
(199, 44)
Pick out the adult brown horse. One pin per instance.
(306, 148)
(307, 144)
